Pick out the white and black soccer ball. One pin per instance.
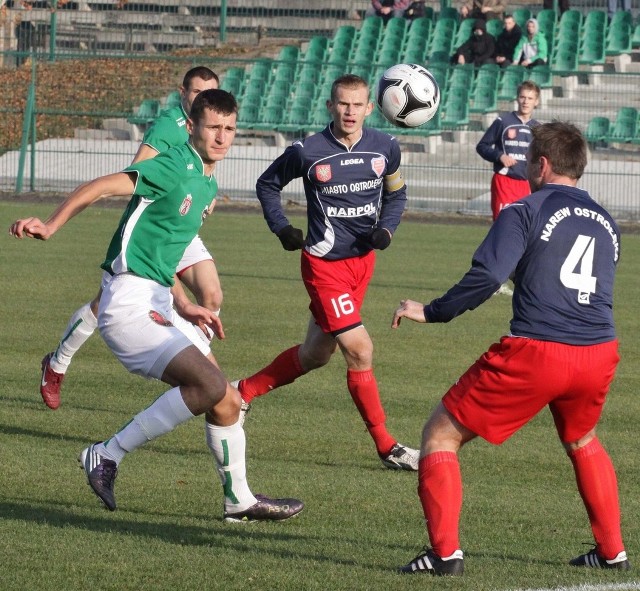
(408, 95)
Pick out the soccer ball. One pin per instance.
(408, 95)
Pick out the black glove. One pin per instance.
(379, 238)
(291, 238)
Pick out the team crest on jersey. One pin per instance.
(323, 172)
(512, 133)
(159, 318)
(186, 205)
(378, 165)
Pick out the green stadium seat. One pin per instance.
(485, 99)
(420, 27)
(461, 76)
(465, 30)
(440, 72)
(511, 78)
(232, 85)
(597, 129)
(621, 17)
(146, 112)
(635, 38)
(251, 99)
(439, 57)
(565, 59)
(488, 76)
(269, 118)
(521, 16)
(396, 27)
(625, 126)
(389, 57)
(377, 120)
(456, 111)
(247, 116)
(295, 119)
(339, 54)
(285, 71)
(595, 23)
(275, 100)
(449, 12)
(173, 99)
(592, 51)
(548, 22)
(260, 70)
(304, 90)
(288, 53)
(618, 40)
(309, 73)
(570, 19)
(541, 75)
(316, 50)
(495, 26)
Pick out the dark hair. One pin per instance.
(563, 145)
(215, 99)
(349, 81)
(199, 72)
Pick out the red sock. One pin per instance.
(598, 488)
(440, 492)
(364, 392)
(283, 370)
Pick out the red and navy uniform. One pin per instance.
(344, 188)
(507, 135)
(562, 249)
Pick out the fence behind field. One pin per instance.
(91, 103)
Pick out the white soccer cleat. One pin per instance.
(401, 458)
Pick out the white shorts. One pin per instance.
(134, 318)
(192, 332)
(194, 253)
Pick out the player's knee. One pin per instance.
(211, 299)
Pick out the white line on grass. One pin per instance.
(630, 586)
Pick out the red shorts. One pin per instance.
(505, 190)
(337, 289)
(517, 377)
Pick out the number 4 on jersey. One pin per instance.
(581, 254)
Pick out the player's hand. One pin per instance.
(207, 321)
(291, 238)
(30, 228)
(408, 309)
(508, 161)
(379, 238)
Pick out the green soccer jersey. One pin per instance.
(168, 130)
(172, 196)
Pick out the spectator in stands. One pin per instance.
(484, 9)
(613, 6)
(532, 49)
(563, 5)
(387, 8)
(507, 41)
(479, 49)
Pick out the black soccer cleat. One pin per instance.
(429, 563)
(592, 560)
(101, 474)
(267, 509)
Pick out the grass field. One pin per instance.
(522, 518)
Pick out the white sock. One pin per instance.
(228, 447)
(164, 415)
(81, 326)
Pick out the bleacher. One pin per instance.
(275, 94)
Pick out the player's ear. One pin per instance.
(189, 125)
(369, 109)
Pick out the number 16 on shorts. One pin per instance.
(342, 305)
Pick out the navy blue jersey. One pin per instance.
(561, 249)
(507, 135)
(345, 190)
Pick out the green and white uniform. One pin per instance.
(167, 131)
(171, 198)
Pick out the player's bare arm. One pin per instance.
(118, 184)
(202, 317)
(408, 309)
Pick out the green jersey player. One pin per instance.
(171, 194)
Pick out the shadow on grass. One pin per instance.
(235, 537)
